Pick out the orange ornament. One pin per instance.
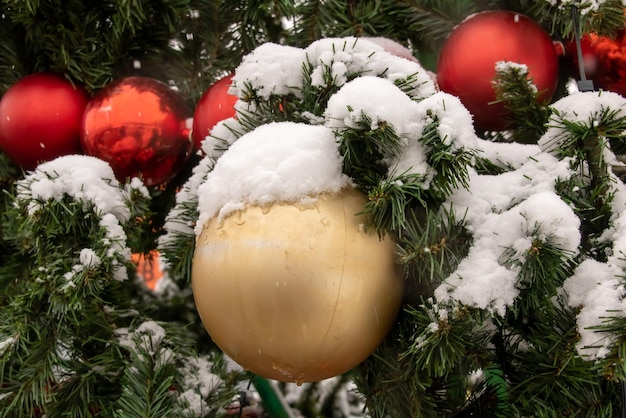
(138, 126)
(148, 268)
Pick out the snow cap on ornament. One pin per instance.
(278, 162)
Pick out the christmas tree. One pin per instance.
(399, 213)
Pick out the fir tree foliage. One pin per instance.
(527, 113)
(80, 337)
(63, 346)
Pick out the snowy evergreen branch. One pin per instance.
(430, 247)
(449, 161)
(568, 385)
(178, 241)
(164, 378)
(68, 221)
(389, 202)
(525, 111)
(604, 17)
(407, 391)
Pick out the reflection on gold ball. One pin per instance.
(296, 294)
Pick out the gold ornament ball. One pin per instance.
(296, 293)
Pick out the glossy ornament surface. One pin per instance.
(40, 119)
(466, 64)
(138, 126)
(215, 105)
(604, 60)
(296, 294)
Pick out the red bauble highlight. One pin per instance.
(138, 126)
(40, 119)
(215, 105)
(466, 66)
(604, 60)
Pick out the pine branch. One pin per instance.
(430, 21)
(148, 380)
(165, 377)
(449, 163)
(611, 365)
(430, 249)
(489, 396)
(542, 272)
(363, 149)
(444, 338)
(177, 244)
(391, 384)
(594, 219)
(586, 142)
(60, 314)
(549, 379)
(526, 113)
(605, 18)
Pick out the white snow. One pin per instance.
(584, 7)
(7, 343)
(270, 69)
(349, 57)
(88, 179)
(583, 108)
(481, 279)
(599, 290)
(198, 384)
(371, 96)
(147, 339)
(277, 162)
(91, 182)
(456, 125)
(89, 258)
(273, 69)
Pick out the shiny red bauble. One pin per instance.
(604, 60)
(138, 126)
(466, 65)
(215, 105)
(40, 119)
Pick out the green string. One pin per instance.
(272, 400)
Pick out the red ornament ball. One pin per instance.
(466, 65)
(215, 105)
(604, 60)
(138, 126)
(40, 119)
